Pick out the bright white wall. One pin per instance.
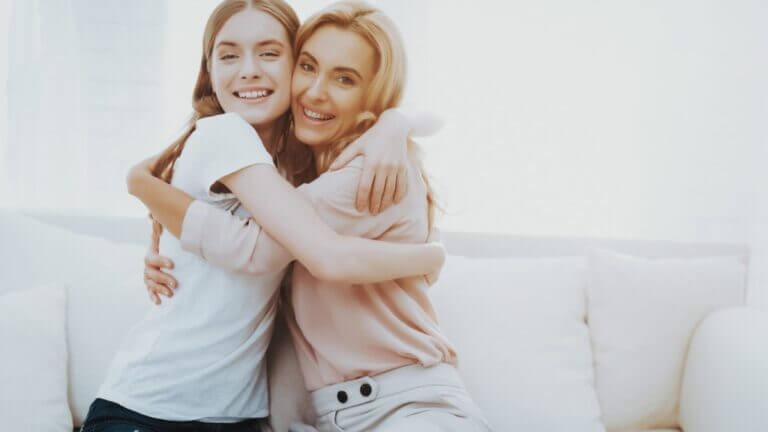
(617, 119)
(85, 97)
(758, 269)
(627, 119)
(580, 118)
(4, 23)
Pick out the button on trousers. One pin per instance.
(410, 398)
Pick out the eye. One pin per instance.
(345, 80)
(270, 54)
(228, 57)
(306, 67)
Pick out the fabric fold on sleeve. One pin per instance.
(191, 237)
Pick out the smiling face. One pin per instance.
(332, 74)
(251, 67)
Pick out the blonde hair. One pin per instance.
(387, 85)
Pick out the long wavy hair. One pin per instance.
(288, 154)
(388, 83)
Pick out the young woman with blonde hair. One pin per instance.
(372, 355)
(197, 363)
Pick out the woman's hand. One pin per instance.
(384, 147)
(157, 281)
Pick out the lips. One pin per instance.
(315, 115)
(252, 94)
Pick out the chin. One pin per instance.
(311, 138)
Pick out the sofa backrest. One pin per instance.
(290, 402)
(136, 230)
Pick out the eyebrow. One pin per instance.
(339, 68)
(260, 44)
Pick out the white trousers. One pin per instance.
(410, 398)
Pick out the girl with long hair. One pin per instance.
(197, 363)
(372, 354)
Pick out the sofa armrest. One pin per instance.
(725, 383)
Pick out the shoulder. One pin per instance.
(225, 128)
(227, 138)
(338, 187)
(344, 178)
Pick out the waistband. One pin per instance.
(362, 390)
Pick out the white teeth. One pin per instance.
(317, 116)
(253, 94)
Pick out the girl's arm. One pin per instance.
(291, 219)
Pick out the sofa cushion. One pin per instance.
(106, 293)
(519, 328)
(641, 314)
(725, 386)
(33, 366)
(106, 297)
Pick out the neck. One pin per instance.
(317, 150)
(268, 137)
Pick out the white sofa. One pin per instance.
(554, 334)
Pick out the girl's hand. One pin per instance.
(384, 147)
(434, 240)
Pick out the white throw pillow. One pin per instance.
(33, 366)
(523, 344)
(106, 294)
(725, 387)
(642, 313)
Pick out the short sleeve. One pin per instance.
(220, 145)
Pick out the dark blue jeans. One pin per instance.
(106, 416)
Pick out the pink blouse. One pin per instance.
(340, 331)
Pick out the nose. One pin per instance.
(251, 68)
(317, 91)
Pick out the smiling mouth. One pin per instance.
(316, 116)
(253, 95)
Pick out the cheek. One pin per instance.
(280, 71)
(352, 102)
(219, 79)
(299, 83)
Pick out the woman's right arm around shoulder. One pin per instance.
(289, 216)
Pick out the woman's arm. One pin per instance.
(167, 204)
(292, 220)
(384, 148)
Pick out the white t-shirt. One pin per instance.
(201, 354)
